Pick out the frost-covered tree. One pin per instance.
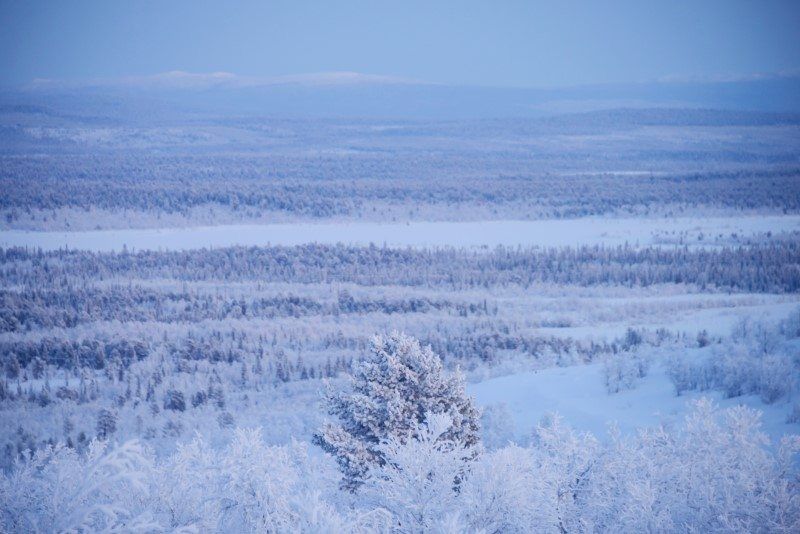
(174, 400)
(417, 480)
(106, 423)
(391, 394)
(252, 487)
(621, 371)
(759, 361)
(509, 491)
(12, 367)
(37, 368)
(716, 473)
(497, 426)
(59, 490)
(567, 462)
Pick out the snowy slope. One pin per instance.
(578, 394)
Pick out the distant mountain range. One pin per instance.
(185, 96)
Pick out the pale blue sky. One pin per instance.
(504, 43)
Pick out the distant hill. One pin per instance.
(184, 96)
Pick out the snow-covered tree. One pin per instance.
(390, 396)
(174, 400)
(497, 426)
(567, 461)
(252, 487)
(508, 491)
(106, 423)
(417, 481)
(59, 490)
(12, 366)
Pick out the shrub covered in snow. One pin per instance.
(497, 426)
(761, 361)
(59, 490)
(716, 472)
(624, 369)
(419, 478)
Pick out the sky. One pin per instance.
(464, 42)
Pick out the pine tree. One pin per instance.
(174, 400)
(244, 375)
(12, 367)
(392, 393)
(37, 368)
(106, 423)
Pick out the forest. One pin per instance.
(596, 383)
(87, 174)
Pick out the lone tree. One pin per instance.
(106, 423)
(391, 394)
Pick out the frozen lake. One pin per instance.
(561, 232)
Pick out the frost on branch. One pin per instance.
(419, 477)
(60, 491)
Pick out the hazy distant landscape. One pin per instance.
(76, 174)
(353, 302)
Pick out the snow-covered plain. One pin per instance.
(577, 393)
(692, 231)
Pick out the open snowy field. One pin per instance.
(690, 231)
(578, 395)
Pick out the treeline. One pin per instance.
(773, 267)
(67, 306)
(229, 345)
(66, 354)
(349, 185)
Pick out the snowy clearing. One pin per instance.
(578, 394)
(694, 231)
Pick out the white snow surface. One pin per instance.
(695, 231)
(578, 394)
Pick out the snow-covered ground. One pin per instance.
(689, 314)
(695, 231)
(578, 394)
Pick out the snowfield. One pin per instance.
(578, 394)
(692, 231)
